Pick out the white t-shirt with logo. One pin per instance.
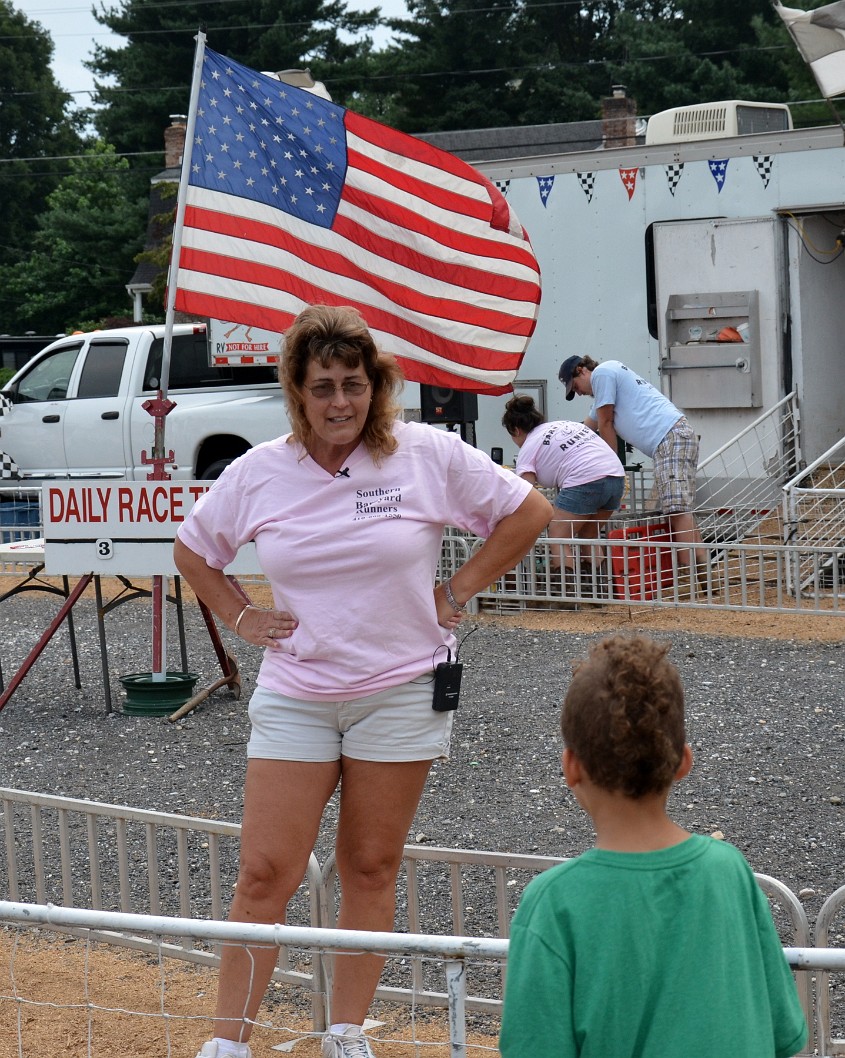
(564, 454)
(353, 557)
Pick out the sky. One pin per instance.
(74, 31)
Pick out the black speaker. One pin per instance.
(447, 405)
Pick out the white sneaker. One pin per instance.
(352, 1044)
(210, 1050)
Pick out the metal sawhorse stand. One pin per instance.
(130, 591)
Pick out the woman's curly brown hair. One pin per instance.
(623, 716)
(330, 334)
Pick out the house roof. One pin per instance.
(518, 141)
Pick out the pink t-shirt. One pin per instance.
(353, 557)
(564, 454)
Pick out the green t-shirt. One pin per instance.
(667, 954)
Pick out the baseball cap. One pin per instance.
(567, 369)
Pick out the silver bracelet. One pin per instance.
(238, 618)
(450, 598)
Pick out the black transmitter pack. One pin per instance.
(447, 685)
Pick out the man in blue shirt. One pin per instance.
(627, 406)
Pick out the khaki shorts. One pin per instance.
(675, 465)
(393, 725)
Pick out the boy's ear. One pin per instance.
(685, 766)
(573, 771)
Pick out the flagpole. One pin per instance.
(160, 406)
(179, 224)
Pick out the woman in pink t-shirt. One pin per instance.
(347, 514)
(570, 457)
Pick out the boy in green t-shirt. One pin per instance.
(656, 943)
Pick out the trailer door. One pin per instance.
(719, 291)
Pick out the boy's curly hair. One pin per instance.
(623, 716)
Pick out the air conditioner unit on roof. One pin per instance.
(707, 121)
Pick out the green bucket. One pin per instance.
(148, 697)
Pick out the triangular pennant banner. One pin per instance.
(764, 163)
(719, 171)
(5, 404)
(587, 182)
(629, 179)
(545, 183)
(503, 186)
(674, 172)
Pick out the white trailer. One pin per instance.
(648, 253)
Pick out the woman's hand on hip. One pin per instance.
(447, 615)
(264, 628)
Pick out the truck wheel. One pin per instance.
(213, 471)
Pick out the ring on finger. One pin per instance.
(272, 633)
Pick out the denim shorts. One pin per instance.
(397, 724)
(604, 494)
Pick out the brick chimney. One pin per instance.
(174, 141)
(619, 119)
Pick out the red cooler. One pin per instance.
(637, 571)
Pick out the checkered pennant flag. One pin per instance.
(5, 404)
(587, 182)
(8, 468)
(503, 186)
(674, 172)
(764, 163)
(545, 184)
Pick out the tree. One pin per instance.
(470, 63)
(790, 69)
(451, 67)
(149, 79)
(82, 252)
(36, 125)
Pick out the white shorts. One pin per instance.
(393, 725)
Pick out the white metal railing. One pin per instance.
(63, 853)
(473, 878)
(454, 952)
(107, 857)
(739, 486)
(827, 915)
(645, 569)
(814, 515)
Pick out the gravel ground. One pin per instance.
(764, 720)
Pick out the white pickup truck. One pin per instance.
(76, 409)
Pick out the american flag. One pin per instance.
(293, 200)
